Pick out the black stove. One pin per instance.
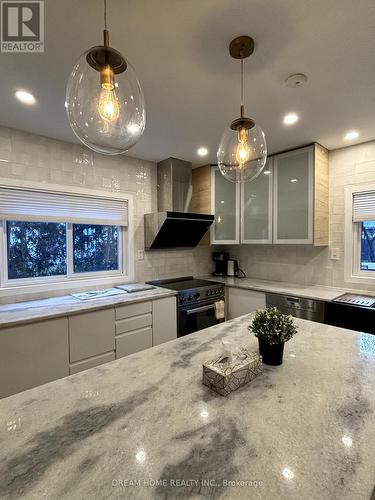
(191, 290)
(195, 302)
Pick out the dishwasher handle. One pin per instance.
(294, 302)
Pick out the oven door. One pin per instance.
(196, 317)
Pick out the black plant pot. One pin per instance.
(272, 354)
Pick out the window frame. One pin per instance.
(357, 252)
(71, 280)
(352, 240)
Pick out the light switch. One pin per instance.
(335, 254)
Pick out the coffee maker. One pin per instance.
(221, 263)
(224, 266)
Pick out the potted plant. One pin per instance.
(273, 329)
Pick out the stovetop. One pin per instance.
(185, 285)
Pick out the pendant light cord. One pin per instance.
(242, 104)
(105, 14)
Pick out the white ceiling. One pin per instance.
(191, 85)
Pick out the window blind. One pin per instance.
(363, 206)
(39, 206)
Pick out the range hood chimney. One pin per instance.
(174, 225)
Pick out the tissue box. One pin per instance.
(224, 376)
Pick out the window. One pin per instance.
(360, 235)
(95, 248)
(367, 252)
(58, 237)
(35, 249)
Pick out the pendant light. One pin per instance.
(242, 152)
(104, 99)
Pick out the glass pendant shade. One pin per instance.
(242, 153)
(106, 110)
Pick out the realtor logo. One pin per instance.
(22, 26)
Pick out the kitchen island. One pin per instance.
(145, 427)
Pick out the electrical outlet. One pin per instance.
(335, 254)
(140, 254)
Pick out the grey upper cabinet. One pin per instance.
(256, 207)
(225, 204)
(288, 203)
(294, 196)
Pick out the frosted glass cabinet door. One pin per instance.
(293, 196)
(226, 207)
(256, 209)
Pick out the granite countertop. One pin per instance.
(315, 292)
(303, 430)
(24, 312)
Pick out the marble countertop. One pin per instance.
(315, 292)
(145, 427)
(24, 312)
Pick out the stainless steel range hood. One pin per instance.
(174, 225)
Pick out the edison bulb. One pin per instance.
(109, 108)
(243, 150)
(242, 154)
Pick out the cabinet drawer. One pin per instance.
(134, 323)
(80, 366)
(132, 342)
(127, 311)
(91, 334)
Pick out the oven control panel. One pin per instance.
(212, 293)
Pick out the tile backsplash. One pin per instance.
(37, 159)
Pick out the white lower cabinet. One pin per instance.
(85, 364)
(33, 354)
(91, 334)
(134, 323)
(42, 351)
(135, 341)
(241, 301)
(164, 320)
(133, 328)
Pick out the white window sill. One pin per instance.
(66, 286)
(364, 279)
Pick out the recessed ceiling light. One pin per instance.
(351, 135)
(202, 151)
(293, 180)
(25, 97)
(290, 119)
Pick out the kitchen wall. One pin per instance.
(42, 160)
(305, 264)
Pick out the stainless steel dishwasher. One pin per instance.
(297, 306)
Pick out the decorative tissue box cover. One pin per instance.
(225, 377)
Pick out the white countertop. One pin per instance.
(303, 430)
(315, 292)
(24, 312)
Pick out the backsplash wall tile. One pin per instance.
(29, 157)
